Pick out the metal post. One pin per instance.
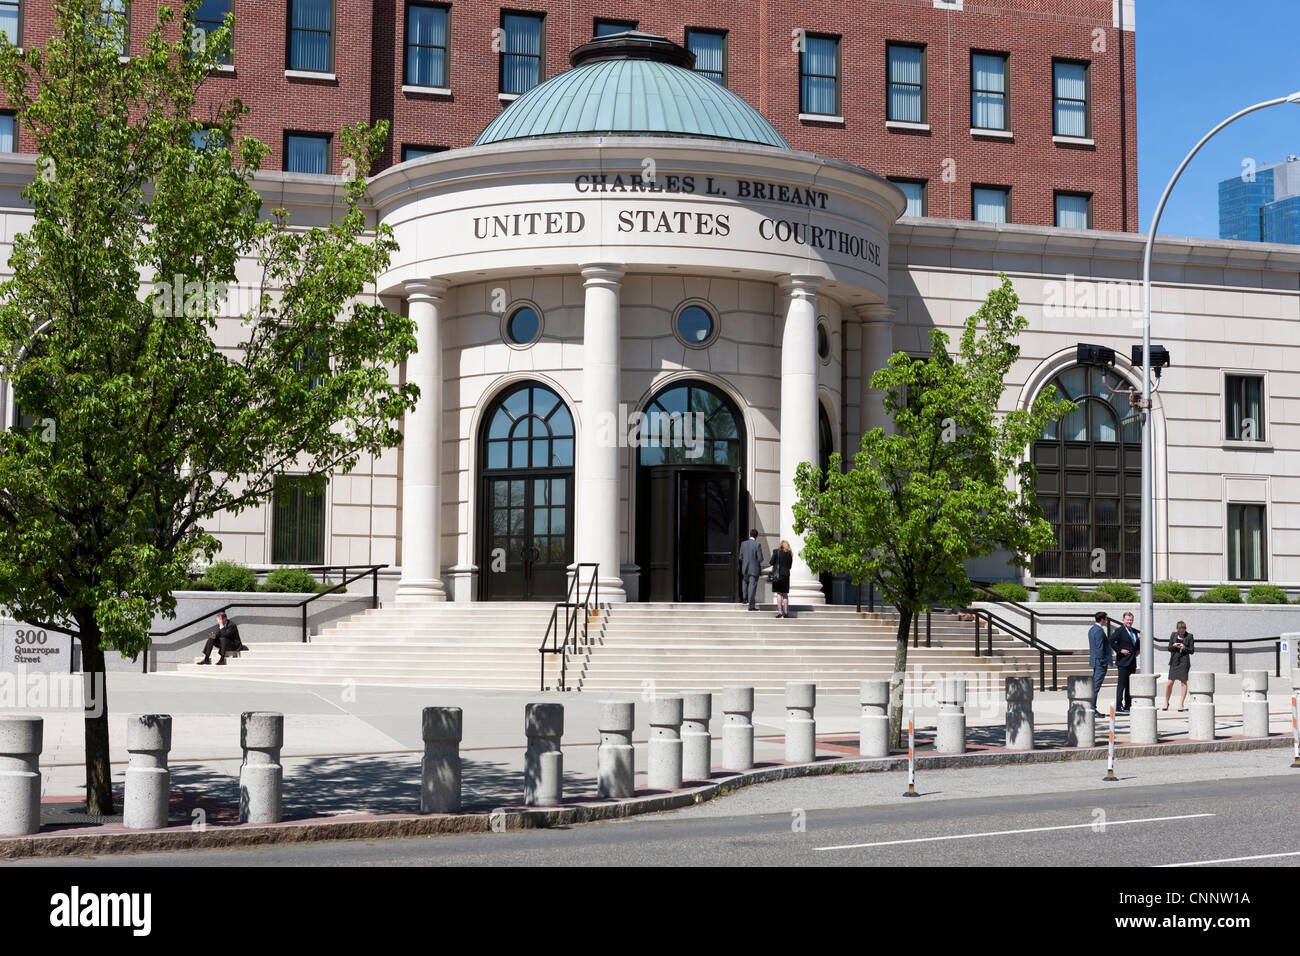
(977, 633)
(374, 589)
(1110, 751)
(304, 622)
(1232, 658)
(916, 630)
(927, 628)
(911, 756)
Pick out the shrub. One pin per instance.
(1056, 591)
(198, 584)
(1118, 590)
(1012, 591)
(229, 576)
(1179, 593)
(290, 580)
(1221, 594)
(1095, 597)
(1266, 594)
(1161, 596)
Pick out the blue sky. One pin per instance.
(1198, 62)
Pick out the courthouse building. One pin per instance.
(630, 251)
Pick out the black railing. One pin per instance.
(552, 641)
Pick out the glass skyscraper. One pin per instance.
(1262, 205)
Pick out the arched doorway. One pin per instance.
(526, 448)
(690, 494)
(1090, 480)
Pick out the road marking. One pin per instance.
(973, 836)
(1231, 859)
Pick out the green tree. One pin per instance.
(136, 428)
(951, 483)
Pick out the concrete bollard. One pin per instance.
(261, 778)
(1143, 722)
(950, 737)
(440, 770)
(1254, 703)
(738, 728)
(20, 775)
(543, 761)
(800, 726)
(616, 758)
(697, 745)
(148, 787)
(1200, 723)
(873, 725)
(1080, 721)
(665, 752)
(1020, 713)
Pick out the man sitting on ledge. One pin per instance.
(225, 638)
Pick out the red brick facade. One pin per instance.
(761, 66)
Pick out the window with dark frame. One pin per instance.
(914, 190)
(311, 35)
(208, 18)
(988, 91)
(905, 83)
(115, 14)
(1073, 210)
(11, 21)
(1247, 543)
(523, 40)
(410, 151)
(1243, 412)
(605, 28)
(297, 523)
(1070, 94)
(307, 153)
(819, 75)
(427, 44)
(990, 203)
(8, 133)
(710, 49)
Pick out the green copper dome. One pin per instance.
(632, 84)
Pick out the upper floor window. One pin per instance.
(115, 16)
(208, 18)
(906, 83)
(988, 91)
(426, 44)
(1243, 407)
(991, 204)
(306, 153)
(1073, 210)
(521, 51)
(819, 75)
(710, 49)
(1247, 543)
(1070, 99)
(914, 190)
(11, 21)
(311, 35)
(606, 28)
(8, 133)
(410, 152)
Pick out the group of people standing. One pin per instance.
(751, 569)
(1120, 647)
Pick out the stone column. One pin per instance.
(1143, 723)
(543, 761)
(1020, 713)
(738, 728)
(1200, 718)
(800, 727)
(697, 744)
(261, 778)
(20, 775)
(664, 771)
(421, 446)
(596, 510)
(873, 695)
(950, 736)
(1080, 721)
(616, 758)
(877, 347)
(441, 728)
(799, 420)
(1254, 703)
(148, 781)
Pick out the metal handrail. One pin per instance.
(571, 607)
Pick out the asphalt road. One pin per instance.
(1240, 821)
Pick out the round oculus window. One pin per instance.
(524, 325)
(823, 343)
(695, 325)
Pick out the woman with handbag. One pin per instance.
(782, 559)
(1181, 648)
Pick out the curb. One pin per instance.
(397, 827)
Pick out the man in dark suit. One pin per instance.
(751, 566)
(1098, 655)
(1125, 643)
(225, 638)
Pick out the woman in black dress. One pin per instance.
(782, 558)
(1181, 648)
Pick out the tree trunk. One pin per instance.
(99, 773)
(897, 678)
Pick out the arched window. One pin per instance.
(1090, 480)
(690, 424)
